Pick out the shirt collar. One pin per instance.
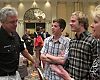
(82, 35)
(59, 40)
(4, 32)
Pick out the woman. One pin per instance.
(95, 69)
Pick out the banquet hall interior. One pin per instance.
(32, 13)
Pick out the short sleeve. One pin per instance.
(21, 46)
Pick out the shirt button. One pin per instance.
(8, 50)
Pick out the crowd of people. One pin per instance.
(79, 68)
(63, 58)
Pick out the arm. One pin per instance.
(44, 58)
(55, 59)
(61, 72)
(34, 42)
(26, 54)
(52, 59)
(44, 51)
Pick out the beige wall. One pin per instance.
(57, 10)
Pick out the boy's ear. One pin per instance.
(81, 24)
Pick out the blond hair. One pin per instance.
(82, 18)
(7, 11)
(97, 12)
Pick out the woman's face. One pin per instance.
(96, 27)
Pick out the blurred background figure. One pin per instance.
(47, 34)
(43, 33)
(22, 67)
(38, 44)
(28, 41)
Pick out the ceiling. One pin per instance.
(50, 0)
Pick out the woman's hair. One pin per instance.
(7, 11)
(97, 12)
(82, 18)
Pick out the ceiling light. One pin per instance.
(47, 4)
(34, 4)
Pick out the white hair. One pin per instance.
(7, 11)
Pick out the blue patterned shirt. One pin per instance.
(54, 48)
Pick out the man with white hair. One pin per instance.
(10, 45)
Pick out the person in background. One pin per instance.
(47, 34)
(44, 34)
(22, 69)
(38, 44)
(54, 49)
(82, 50)
(28, 41)
(42, 30)
(10, 45)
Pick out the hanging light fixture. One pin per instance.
(21, 5)
(47, 4)
(34, 4)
